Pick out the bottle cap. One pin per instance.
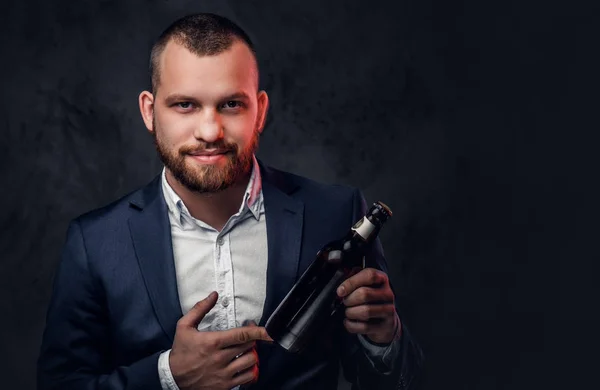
(385, 208)
(380, 211)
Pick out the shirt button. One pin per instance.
(220, 241)
(225, 302)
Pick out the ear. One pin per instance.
(146, 102)
(263, 107)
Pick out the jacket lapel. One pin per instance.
(151, 236)
(284, 217)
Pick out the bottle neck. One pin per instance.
(365, 230)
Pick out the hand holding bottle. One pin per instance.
(370, 308)
(312, 303)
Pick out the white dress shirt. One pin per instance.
(232, 262)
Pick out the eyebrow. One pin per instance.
(238, 95)
(181, 97)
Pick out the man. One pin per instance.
(152, 290)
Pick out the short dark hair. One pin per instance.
(202, 34)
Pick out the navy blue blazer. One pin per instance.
(115, 304)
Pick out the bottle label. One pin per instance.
(364, 228)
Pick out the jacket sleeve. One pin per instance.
(357, 368)
(76, 347)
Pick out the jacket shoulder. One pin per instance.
(119, 210)
(310, 186)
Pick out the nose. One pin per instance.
(209, 128)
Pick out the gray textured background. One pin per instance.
(475, 121)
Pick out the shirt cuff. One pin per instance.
(383, 357)
(167, 381)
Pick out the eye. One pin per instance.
(232, 104)
(184, 105)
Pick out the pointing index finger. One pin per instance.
(243, 335)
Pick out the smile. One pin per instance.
(208, 158)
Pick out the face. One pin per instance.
(206, 116)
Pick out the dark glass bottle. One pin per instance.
(313, 302)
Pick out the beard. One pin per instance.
(207, 178)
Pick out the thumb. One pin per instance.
(193, 317)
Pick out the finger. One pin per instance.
(243, 335)
(368, 312)
(253, 323)
(369, 295)
(230, 353)
(246, 377)
(366, 277)
(244, 362)
(193, 317)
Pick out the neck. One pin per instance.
(214, 209)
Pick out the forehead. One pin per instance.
(230, 71)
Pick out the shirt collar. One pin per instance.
(252, 200)
(253, 196)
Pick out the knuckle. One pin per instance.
(196, 306)
(212, 342)
(384, 277)
(223, 359)
(241, 337)
(363, 294)
(372, 274)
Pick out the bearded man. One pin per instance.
(170, 286)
